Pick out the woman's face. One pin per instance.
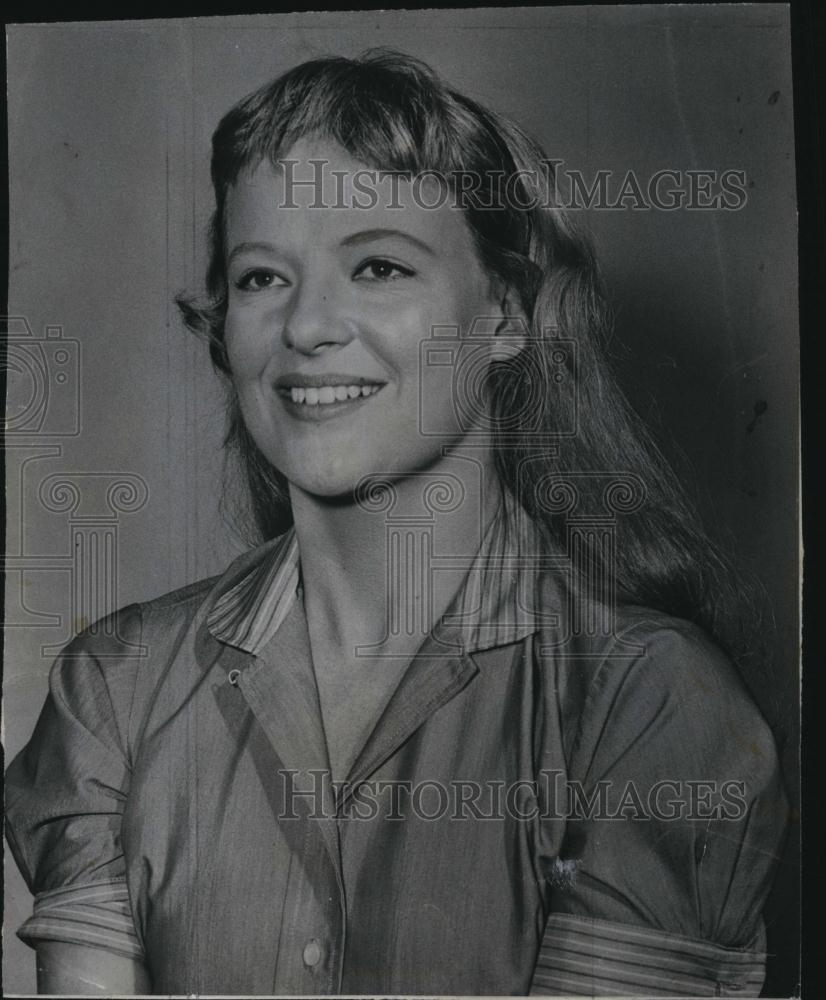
(328, 309)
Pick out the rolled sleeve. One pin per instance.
(66, 792)
(676, 815)
(98, 915)
(599, 957)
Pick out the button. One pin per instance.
(312, 953)
(233, 676)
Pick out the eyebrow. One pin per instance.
(370, 235)
(249, 248)
(355, 239)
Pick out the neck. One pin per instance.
(368, 575)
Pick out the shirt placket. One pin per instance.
(279, 687)
(310, 953)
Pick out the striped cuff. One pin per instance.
(97, 914)
(584, 957)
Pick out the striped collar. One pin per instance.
(249, 613)
(497, 604)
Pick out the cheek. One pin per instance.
(248, 346)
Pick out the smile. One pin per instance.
(324, 395)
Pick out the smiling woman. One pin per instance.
(476, 573)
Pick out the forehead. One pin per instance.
(318, 190)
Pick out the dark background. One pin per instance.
(109, 128)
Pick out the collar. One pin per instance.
(249, 613)
(497, 604)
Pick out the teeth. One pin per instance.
(326, 394)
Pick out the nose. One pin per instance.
(314, 322)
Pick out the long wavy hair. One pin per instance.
(392, 113)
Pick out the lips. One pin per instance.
(327, 393)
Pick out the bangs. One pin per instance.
(390, 113)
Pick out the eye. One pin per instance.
(379, 269)
(257, 279)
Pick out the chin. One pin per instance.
(328, 485)
(330, 478)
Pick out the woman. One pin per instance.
(459, 724)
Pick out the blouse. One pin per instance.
(549, 803)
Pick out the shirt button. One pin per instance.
(312, 953)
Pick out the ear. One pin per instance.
(512, 328)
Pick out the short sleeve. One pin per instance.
(675, 817)
(66, 791)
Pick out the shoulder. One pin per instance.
(681, 668)
(116, 636)
(663, 686)
(99, 671)
(163, 615)
(668, 655)
(95, 676)
(602, 654)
